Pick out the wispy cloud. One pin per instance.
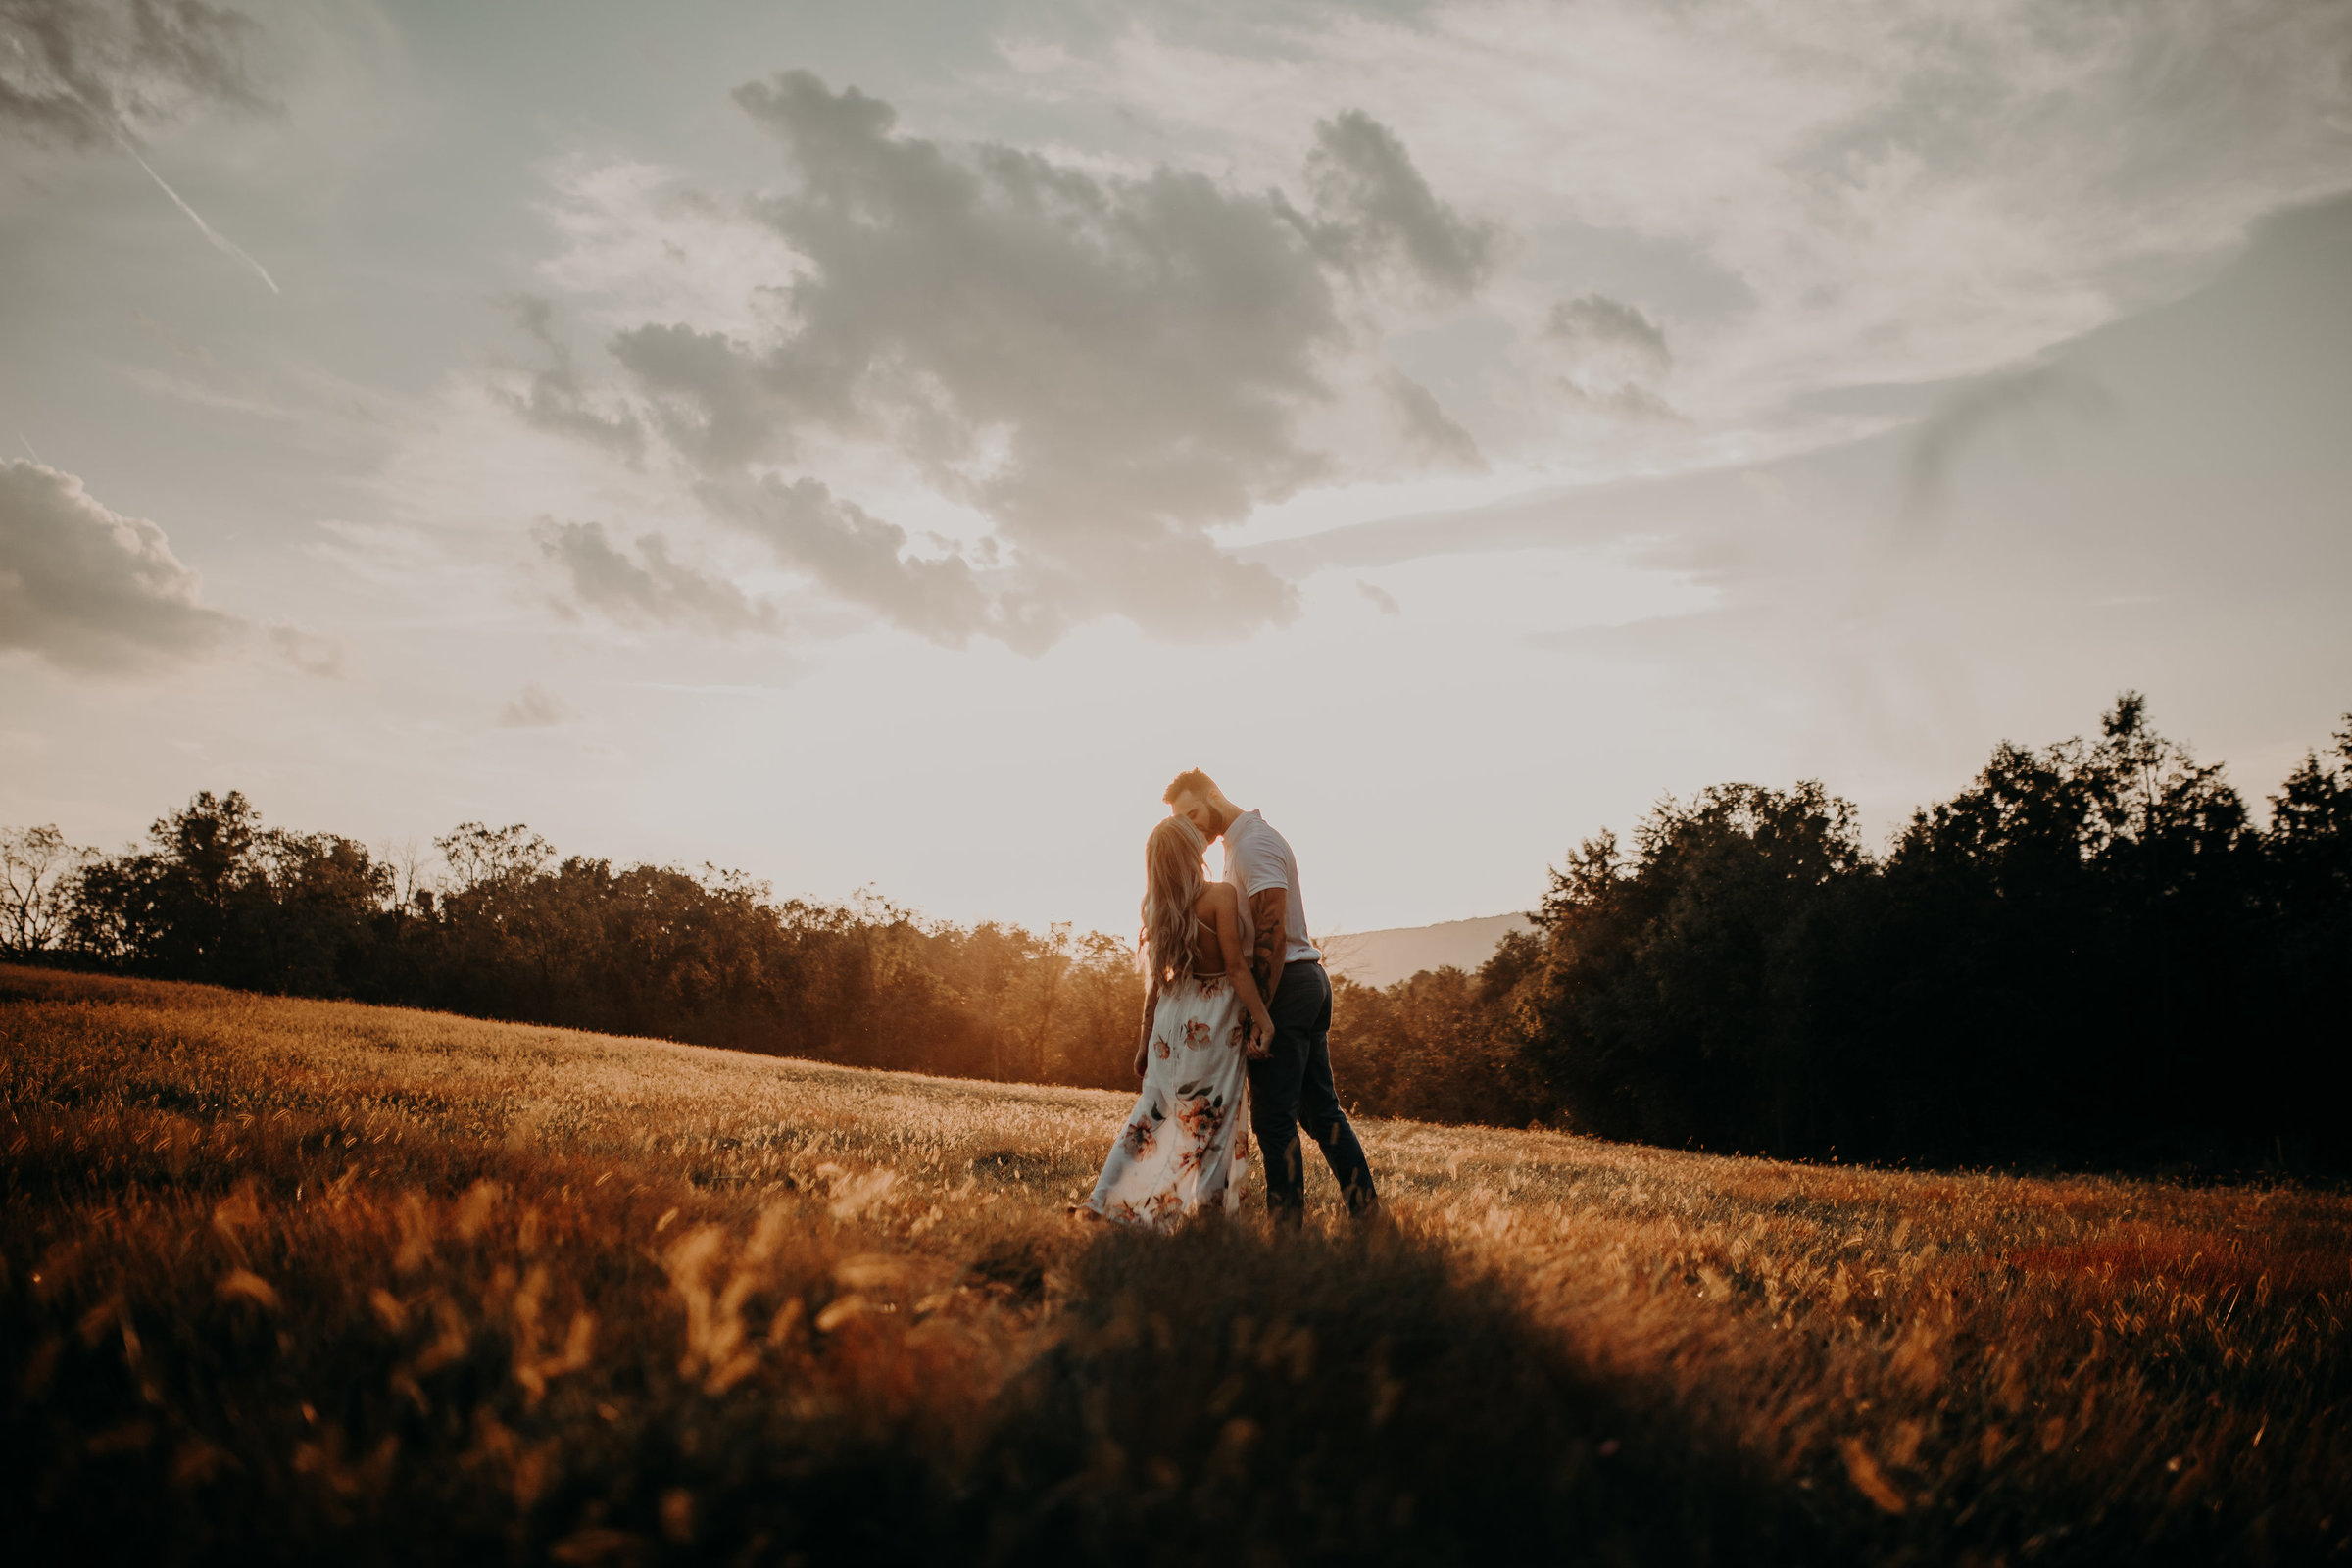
(307, 652)
(1973, 412)
(534, 707)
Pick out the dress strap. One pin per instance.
(1210, 931)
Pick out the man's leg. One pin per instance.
(1320, 1114)
(1274, 1084)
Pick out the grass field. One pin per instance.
(287, 1279)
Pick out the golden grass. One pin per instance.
(288, 1277)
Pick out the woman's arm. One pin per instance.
(1142, 1037)
(1226, 904)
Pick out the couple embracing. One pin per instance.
(1236, 1030)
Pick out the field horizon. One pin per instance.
(286, 1277)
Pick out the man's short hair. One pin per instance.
(1191, 778)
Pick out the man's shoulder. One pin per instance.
(1253, 828)
(1261, 858)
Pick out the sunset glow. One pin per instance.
(1547, 409)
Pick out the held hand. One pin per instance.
(1261, 1039)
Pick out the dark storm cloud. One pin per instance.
(78, 73)
(1106, 368)
(558, 401)
(652, 590)
(1372, 206)
(86, 588)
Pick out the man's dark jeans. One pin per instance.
(1292, 1089)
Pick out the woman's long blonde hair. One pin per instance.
(1173, 882)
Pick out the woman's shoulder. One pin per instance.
(1219, 896)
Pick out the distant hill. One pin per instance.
(1384, 958)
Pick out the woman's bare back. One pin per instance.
(1218, 913)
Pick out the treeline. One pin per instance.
(2091, 954)
(504, 929)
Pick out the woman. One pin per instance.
(1186, 1146)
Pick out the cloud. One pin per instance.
(89, 589)
(1105, 369)
(1974, 412)
(81, 72)
(858, 555)
(309, 651)
(535, 708)
(653, 590)
(1379, 596)
(1898, 193)
(1612, 355)
(1597, 328)
(709, 395)
(558, 401)
(1374, 208)
(1433, 435)
(84, 73)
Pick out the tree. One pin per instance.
(37, 868)
(2310, 841)
(1677, 988)
(166, 911)
(2068, 938)
(485, 858)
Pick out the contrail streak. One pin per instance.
(220, 241)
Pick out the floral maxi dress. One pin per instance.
(1186, 1145)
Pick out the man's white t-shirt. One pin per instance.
(1256, 858)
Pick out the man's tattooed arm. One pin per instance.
(1268, 910)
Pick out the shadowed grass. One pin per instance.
(1346, 1399)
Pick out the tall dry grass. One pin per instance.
(283, 1279)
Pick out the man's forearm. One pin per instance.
(1269, 914)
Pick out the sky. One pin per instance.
(878, 445)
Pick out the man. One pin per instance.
(1290, 1085)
